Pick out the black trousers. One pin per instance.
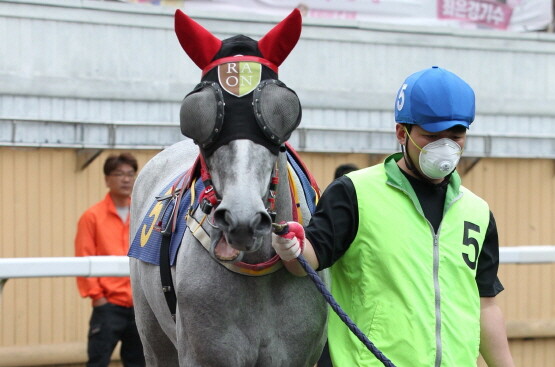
(109, 324)
(325, 359)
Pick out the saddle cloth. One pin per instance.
(147, 241)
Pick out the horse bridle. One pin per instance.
(209, 198)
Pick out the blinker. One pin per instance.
(202, 113)
(277, 110)
(275, 107)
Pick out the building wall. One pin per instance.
(43, 193)
(521, 194)
(113, 63)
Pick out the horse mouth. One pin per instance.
(224, 252)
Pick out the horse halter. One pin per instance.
(276, 108)
(209, 199)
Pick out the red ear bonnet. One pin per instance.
(198, 43)
(276, 45)
(202, 46)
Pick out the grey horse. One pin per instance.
(226, 315)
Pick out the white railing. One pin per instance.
(527, 255)
(86, 266)
(116, 266)
(40, 267)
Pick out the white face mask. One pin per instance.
(439, 158)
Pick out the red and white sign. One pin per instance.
(514, 15)
(489, 13)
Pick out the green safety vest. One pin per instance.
(411, 291)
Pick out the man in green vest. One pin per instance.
(413, 254)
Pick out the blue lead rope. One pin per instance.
(342, 315)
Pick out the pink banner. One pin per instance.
(512, 15)
(489, 13)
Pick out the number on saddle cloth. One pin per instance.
(147, 241)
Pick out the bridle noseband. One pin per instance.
(209, 198)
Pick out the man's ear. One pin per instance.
(401, 134)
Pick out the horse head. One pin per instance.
(239, 115)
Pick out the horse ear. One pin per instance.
(278, 42)
(198, 43)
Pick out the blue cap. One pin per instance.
(435, 99)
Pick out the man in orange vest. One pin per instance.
(103, 230)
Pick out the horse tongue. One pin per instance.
(224, 252)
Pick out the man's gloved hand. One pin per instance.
(289, 245)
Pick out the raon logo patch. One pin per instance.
(239, 78)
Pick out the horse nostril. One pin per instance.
(224, 219)
(261, 223)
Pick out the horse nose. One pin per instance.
(224, 219)
(261, 223)
(241, 232)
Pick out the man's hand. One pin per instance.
(289, 245)
(99, 302)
